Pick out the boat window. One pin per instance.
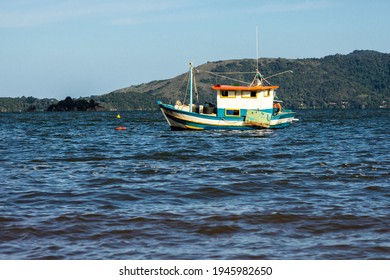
(228, 93)
(249, 94)
(232, 112)
(267, 93)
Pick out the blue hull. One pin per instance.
(180, 119)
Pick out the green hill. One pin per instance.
(360, 79)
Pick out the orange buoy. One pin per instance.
(277, 108)
(120, 128)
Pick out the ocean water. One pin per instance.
(72, 187)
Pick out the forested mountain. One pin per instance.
(360, 79)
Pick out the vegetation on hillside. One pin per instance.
(20, 104)
(360, 79)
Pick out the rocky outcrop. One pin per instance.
(69, 104)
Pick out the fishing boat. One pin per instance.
(239, 107)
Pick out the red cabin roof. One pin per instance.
(246, 88)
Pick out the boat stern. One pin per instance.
(283, 119)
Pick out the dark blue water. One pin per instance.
(72, 187)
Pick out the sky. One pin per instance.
(79, 48)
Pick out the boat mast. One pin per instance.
(257, 47)
(257, 80)
(191, 86)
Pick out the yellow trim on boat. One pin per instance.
(230, 93)
(234, 110)
(193, 127)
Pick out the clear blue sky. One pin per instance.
(59, 48)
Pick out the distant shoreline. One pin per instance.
(357, 80)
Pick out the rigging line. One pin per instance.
(267, 81)
(221, 76)
(182, 82)
(277, 74)
(195, 88)
(232, 73)
(188, 85)
(185, 79)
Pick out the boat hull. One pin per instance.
(179, 119)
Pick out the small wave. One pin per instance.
(102, 182)
(217, 230)
(85, 159)
(375, 189)
(208, 192)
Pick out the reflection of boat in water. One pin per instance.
(238, 107)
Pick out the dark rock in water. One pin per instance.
(69, 104)
(31, 108)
